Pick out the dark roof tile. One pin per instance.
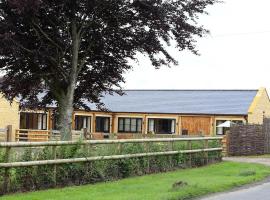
(181, 101)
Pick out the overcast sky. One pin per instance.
(235, 56)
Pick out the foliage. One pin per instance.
(70, 52)
(200, 181)
(47, 176)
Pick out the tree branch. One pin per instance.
(46, 35)
(22, 47)
(58, 67)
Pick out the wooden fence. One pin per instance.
(28, 135)
(266, 134)
(249, 139)
(8, 164)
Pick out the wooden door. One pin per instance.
(196, 125)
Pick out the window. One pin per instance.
(161, 126)
(103, 124)
(222, 130)
(82, 121)
(237, 122)
(33, 121)
(132, 125)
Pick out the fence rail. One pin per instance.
(54, 135)
(96, 158)
(61, 143)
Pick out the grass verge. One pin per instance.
(193, 183)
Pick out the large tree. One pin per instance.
(72, 51)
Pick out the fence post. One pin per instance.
(84, 134)
(6, 174)
(50, 135)
(225, 143)
(54, 166)
(190, 155)
(206, 152)
(171, 149)
(119, 147)
(10, 135)
(148, 159)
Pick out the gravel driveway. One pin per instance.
(264, 161)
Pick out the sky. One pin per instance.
(235, 55)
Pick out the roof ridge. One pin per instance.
(190, 89)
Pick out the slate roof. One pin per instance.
(234, 102)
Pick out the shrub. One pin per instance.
(47, 176)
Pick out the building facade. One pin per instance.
(179, 112)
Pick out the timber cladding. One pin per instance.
(195, 125)
(246, 140)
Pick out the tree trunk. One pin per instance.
(65, 115)
(67, 98)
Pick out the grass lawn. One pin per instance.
(200, 181)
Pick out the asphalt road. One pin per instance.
(258, 192)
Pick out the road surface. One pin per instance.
(258, 192)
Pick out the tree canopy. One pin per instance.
(76, 50)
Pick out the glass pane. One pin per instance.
(106, 124)
(238, 122)
(151, 125)
(139, 125)
(219, 130)
(127, 124)
(88, 123)
(173, 126)
(23, 121)
(76, 123)
(133, 125)
(84, 122)
(98, 124)
(34, 120)
(121, 124)
(44, 122)
(39, 121)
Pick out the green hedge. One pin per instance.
(41, 177)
